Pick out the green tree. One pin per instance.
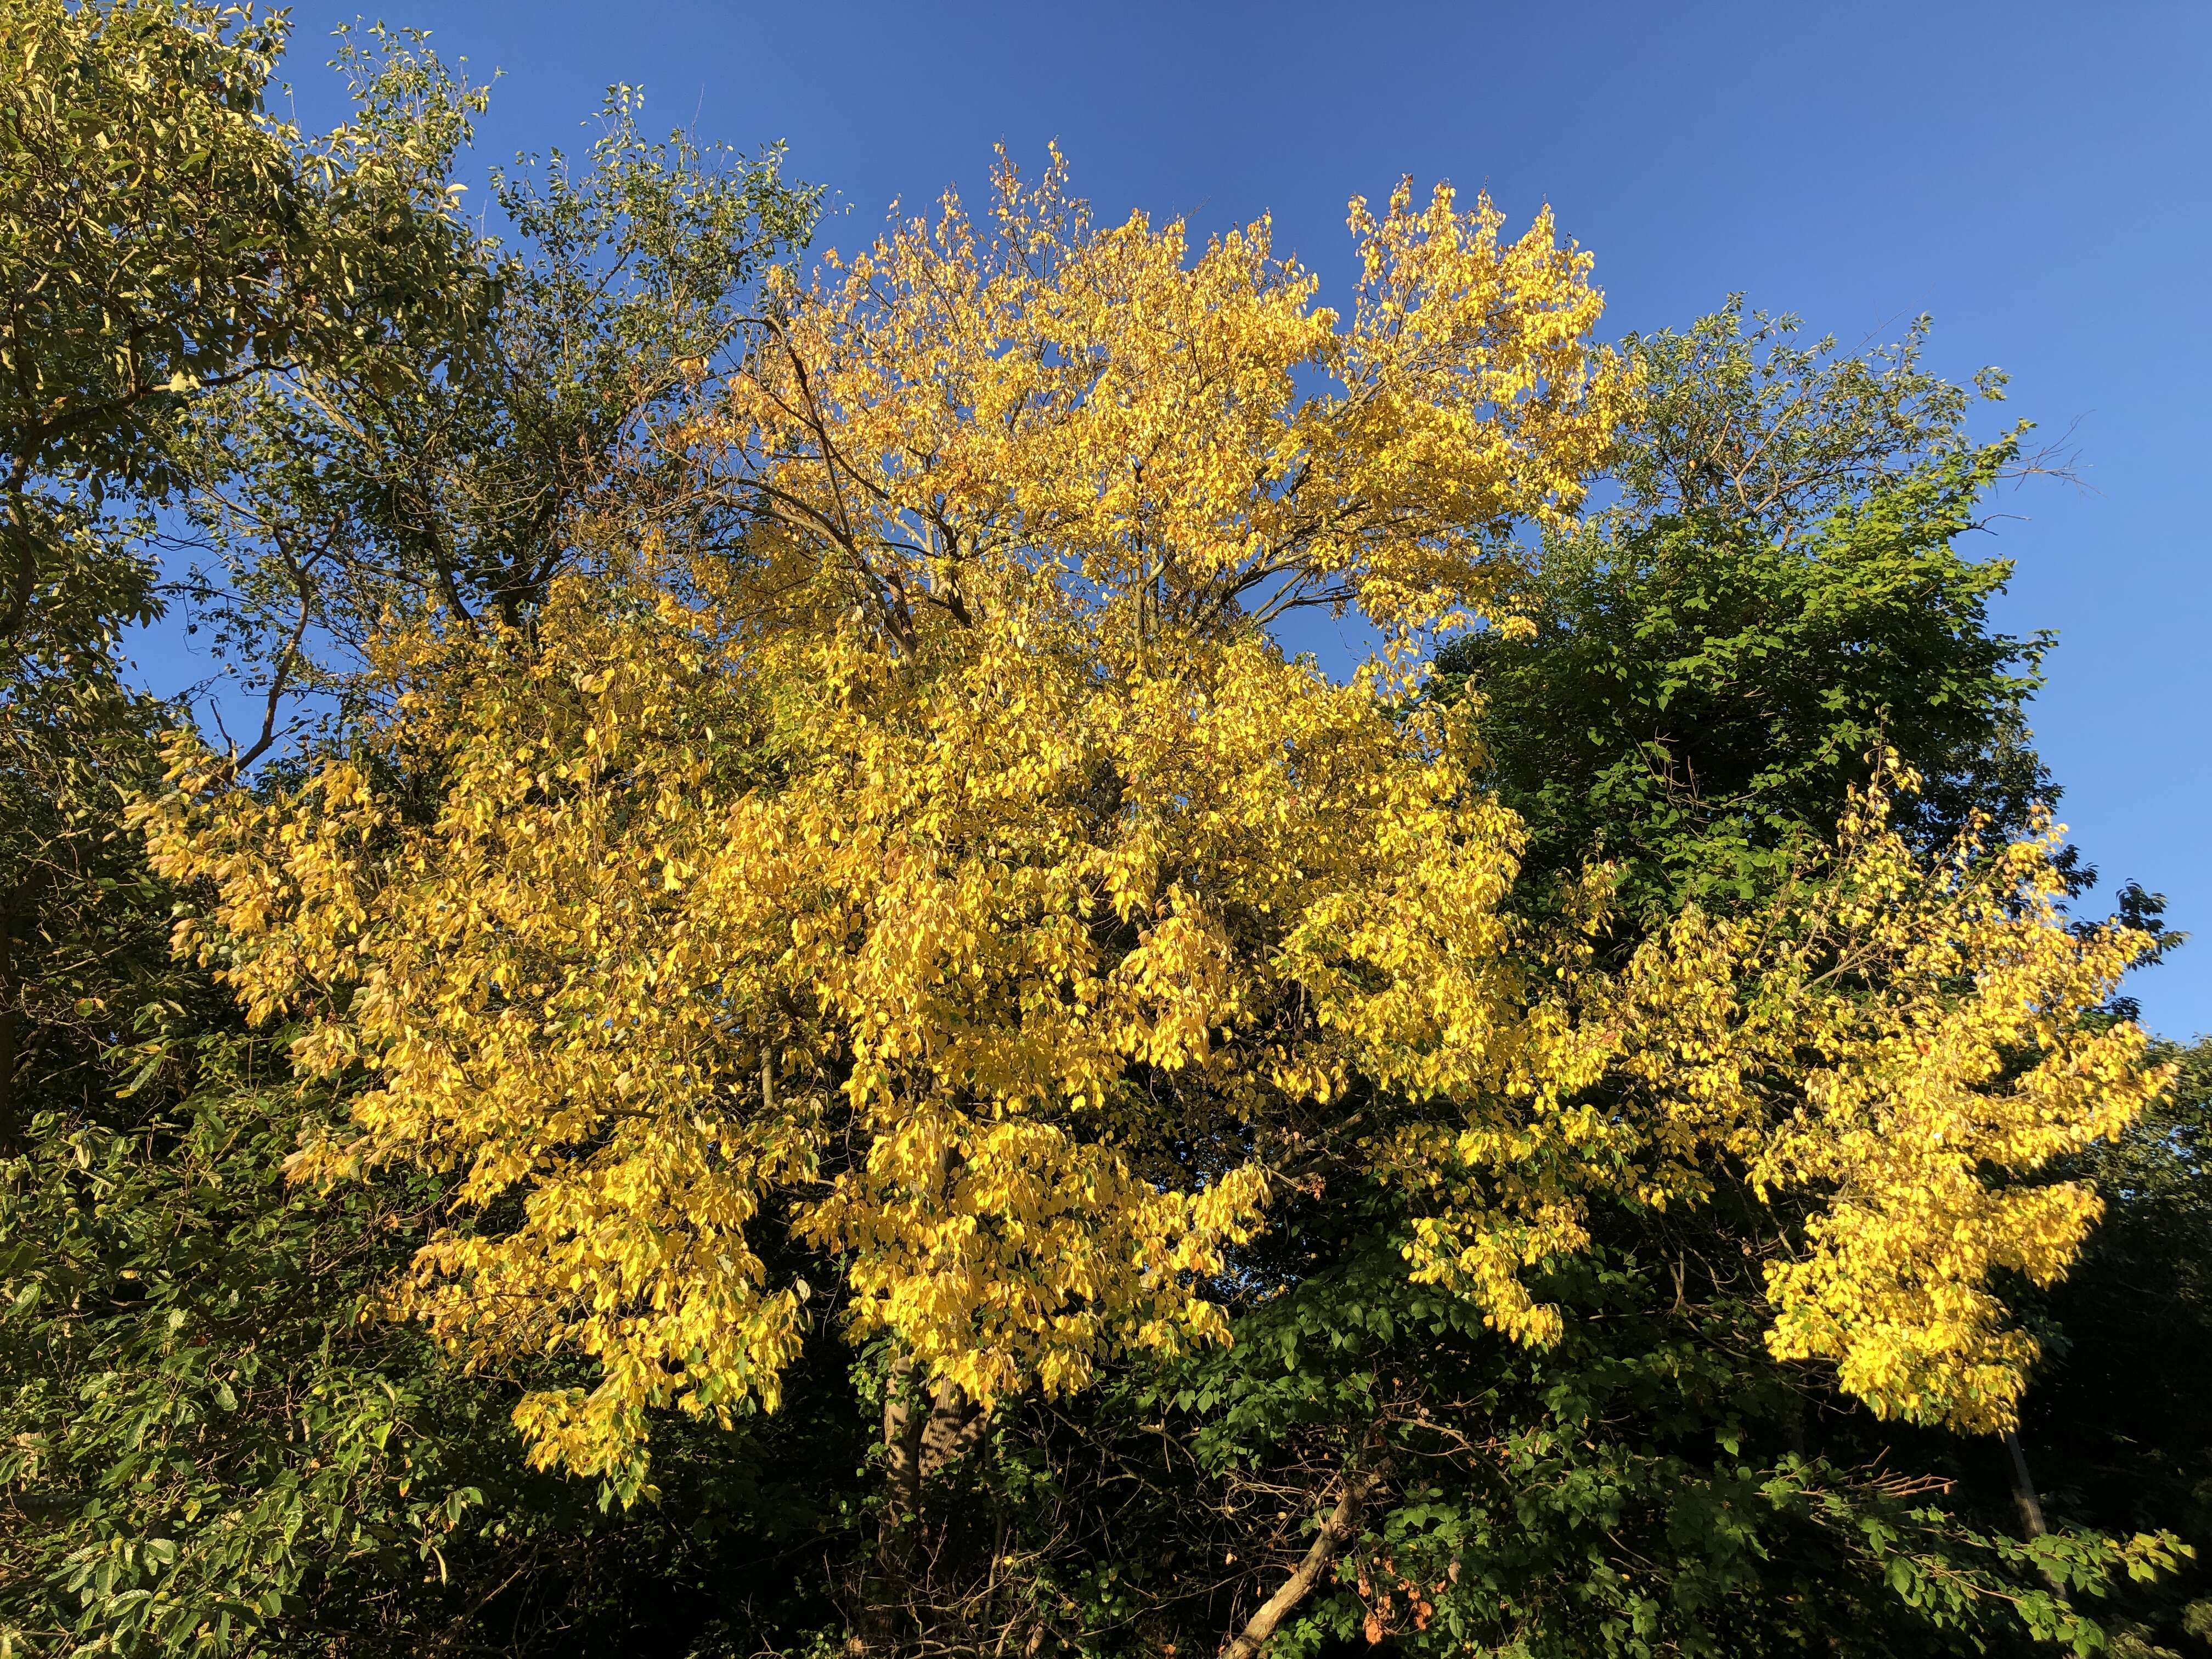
(211, 1440)
(461, 474)
(161, 235)
(161, 238)
(1779, 593)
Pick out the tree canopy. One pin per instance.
(799, 1030)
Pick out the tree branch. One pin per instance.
(280, 675)
(1338, 1531)
(26, 558)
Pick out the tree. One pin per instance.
(462, 471)
(1781, 587)
(957, 884)
(160, 237)
(164, 236)
(207, 1447)
(1658, 1480)
(1775, 592)
(1776, 596)
(2117, 1425)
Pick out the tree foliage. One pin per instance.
(464, 471)
(1777, 594)
(1658, 1480)
(165, 235)
(961, 883)
(212, 1442)
(823, 1042)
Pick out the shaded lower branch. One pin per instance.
(1336, 1533)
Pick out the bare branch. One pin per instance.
(1342, 1527)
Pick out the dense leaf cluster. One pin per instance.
(215, 1439)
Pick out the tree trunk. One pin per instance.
(921, 1438)
(23, 578)
(2023, 1488)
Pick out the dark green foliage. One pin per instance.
(204, 1436)
(1653, 1484)
(2120, 1425)
(1717, 658)
(212, 1442)
(1698, 698)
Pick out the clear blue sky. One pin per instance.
(2033, 174)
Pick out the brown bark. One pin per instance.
(23, 579)
(920, 1442)
(902, 1426)
(921, 1437)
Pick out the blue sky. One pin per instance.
(2032, 175)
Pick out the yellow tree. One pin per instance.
(963, 885)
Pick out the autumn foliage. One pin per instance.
(956, 893)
